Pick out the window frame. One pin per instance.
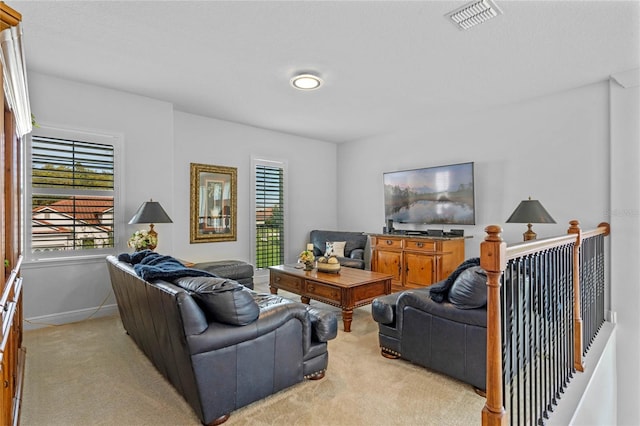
(282, 164)
(80, 135)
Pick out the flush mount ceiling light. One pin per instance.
(474, 13)
(306, 82)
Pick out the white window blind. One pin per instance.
(72, 195)
(270, 218)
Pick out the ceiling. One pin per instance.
(385, 63)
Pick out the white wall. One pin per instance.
(58, 291)
(554, 149)
(156, 165)
(625, 245)
(563, 149)
(311, 178)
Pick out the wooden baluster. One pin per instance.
(578, 361)
(493, 261)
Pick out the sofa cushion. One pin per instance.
(224, 300)
(236, 270)
(469, 290)
(439, 291)
(232, 269)
(335, 248)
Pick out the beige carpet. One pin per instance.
(91, 373)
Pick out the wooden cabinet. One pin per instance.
(415, 261)
(12, 354)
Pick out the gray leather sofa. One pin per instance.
(219, 366)
(353, 250)
(439, 336)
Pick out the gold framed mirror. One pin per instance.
(213, 203)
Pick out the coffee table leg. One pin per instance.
(347, 315)
(305, 300)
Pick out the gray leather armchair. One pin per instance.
(353, 250)
(439, 336)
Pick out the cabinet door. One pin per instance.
(419, 269)
(453, 256)
(389, 262)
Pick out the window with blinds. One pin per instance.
(269, 205)
(72, 195)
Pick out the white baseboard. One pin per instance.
(583, 401)
(69, 317)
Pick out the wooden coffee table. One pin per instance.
(349, 289)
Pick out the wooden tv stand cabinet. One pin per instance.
(415, 261)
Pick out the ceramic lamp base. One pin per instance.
(153, 234)
(529, 235)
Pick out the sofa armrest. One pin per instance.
(388, 309)
(419, 299)
(383, 309)
(219, 335)
(357, 254)
(324, 324)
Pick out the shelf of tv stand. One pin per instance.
(415, 261)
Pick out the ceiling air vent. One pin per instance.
(473, 14)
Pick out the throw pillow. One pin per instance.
(224, 300)
(335, 248)
(469, 290)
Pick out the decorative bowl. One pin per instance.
(325, 266)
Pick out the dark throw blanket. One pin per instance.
(439, 292)
(150, 265)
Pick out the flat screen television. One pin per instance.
(431, 195)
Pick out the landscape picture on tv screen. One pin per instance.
(432, 195)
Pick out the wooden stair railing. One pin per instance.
(494, 257)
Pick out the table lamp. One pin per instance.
(530, 211)
(151, 212)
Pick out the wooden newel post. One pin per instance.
(578, 362)
(493, 261)
(606, 226)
